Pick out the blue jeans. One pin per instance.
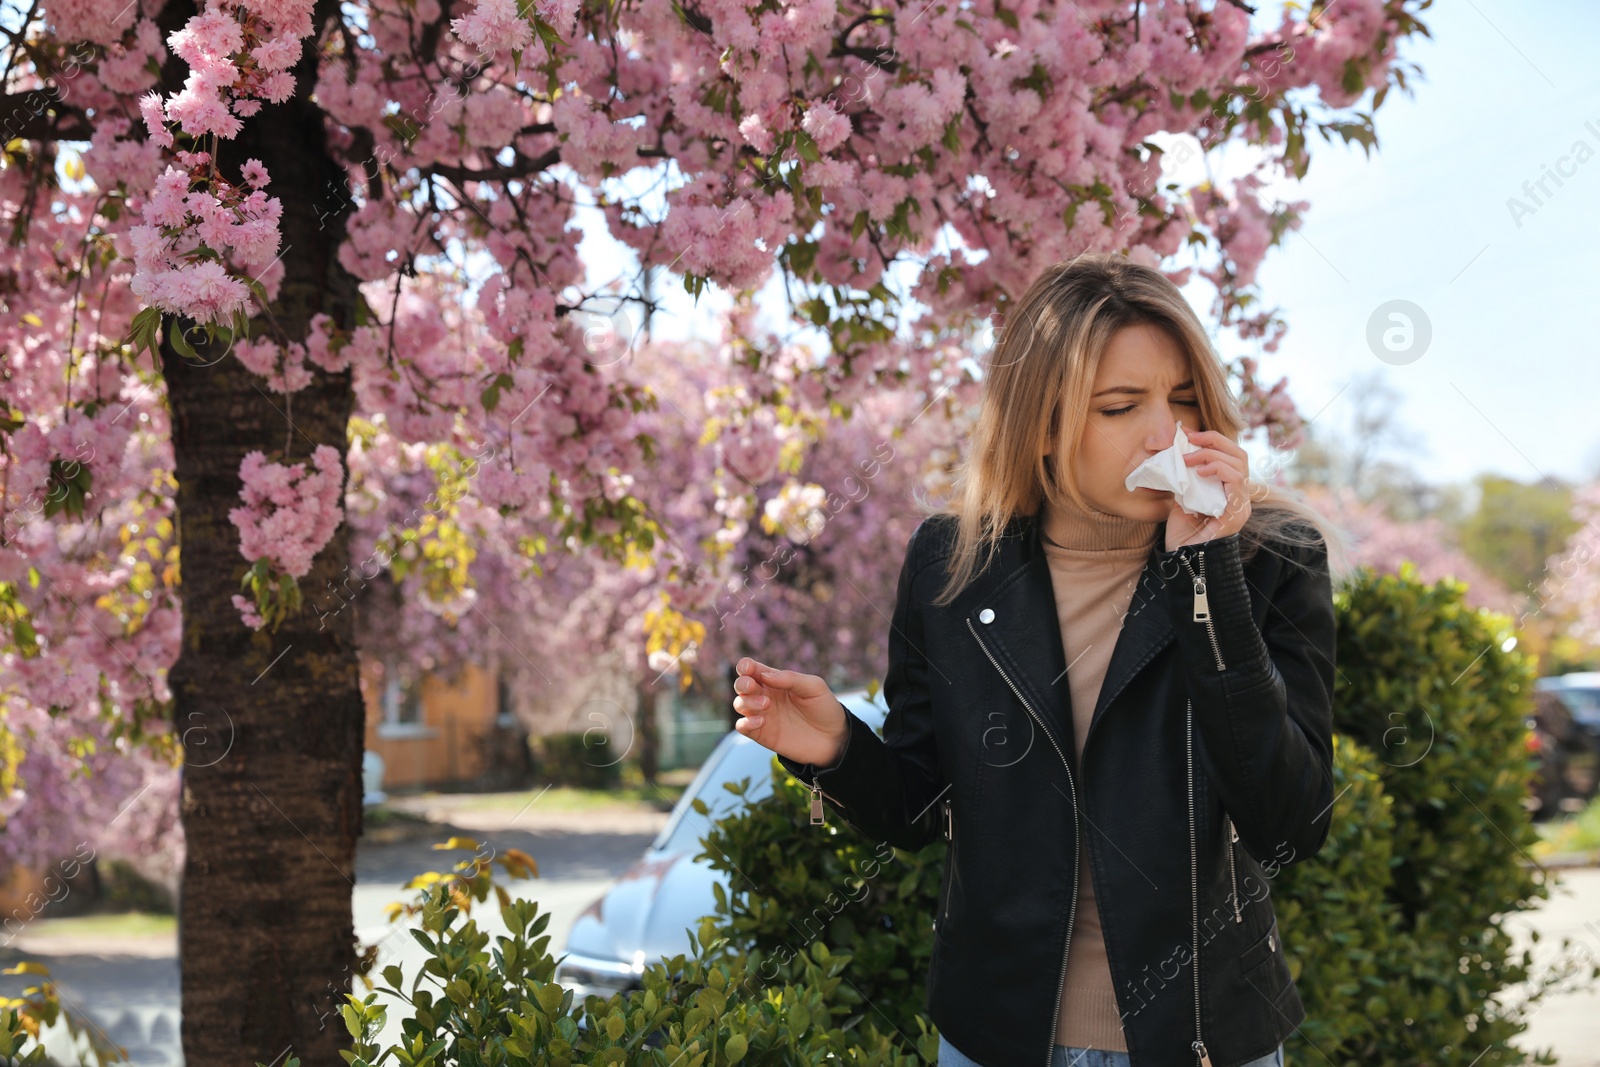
(1068, 1056)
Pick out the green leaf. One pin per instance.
(549, 997)
(491, 392)
(180, 343)
(805, 147)
(142, 331)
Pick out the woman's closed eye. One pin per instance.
(1130, 407)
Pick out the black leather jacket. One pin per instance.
(1207, 768)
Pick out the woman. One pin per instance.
(1195, 654)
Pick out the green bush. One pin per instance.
(18, 1046)
(124, 888)
(482, 1000)
(1334, 915)
(798, 885)
(24, 1019)
(580, 759)
(1438, 692)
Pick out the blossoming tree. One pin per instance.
(243, 233)
(810, 580)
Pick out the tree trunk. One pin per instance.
(649, 735)
(272, 722)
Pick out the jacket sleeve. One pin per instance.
(1262, 696)
(888, 788)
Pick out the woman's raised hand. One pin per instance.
(795, 715)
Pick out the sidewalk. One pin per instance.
(1567, 1024)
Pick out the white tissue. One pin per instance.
(1166, 470)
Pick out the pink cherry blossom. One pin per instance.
(494, 26)
(289, 512)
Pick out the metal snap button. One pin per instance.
(986, 615)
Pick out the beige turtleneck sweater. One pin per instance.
(1095, 563)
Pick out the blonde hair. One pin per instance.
(1035, 402)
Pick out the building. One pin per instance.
(440, 733)
(472, 731)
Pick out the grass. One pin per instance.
(116, 924)
(381, 815)
(1575, 833)
(565, 798)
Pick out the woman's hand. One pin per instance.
(795, 715)
(1217, 457)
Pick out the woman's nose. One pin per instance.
(1161, 440)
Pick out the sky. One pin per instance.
(1507, 384)
(1507, 298)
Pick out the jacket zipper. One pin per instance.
(1202, 606)
(1202, 1057)
(1233, 835)
(816, 802)
(1202, 613)
(1072, 913)
(950, 860)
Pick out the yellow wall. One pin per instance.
(22, 897)
(459, 719)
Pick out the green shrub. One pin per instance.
(19, 1047)
(124, 888)
(482, 1000)
(579, 759)
(1438, 692)
(797, 885)
(1336, 921)
(24, 1019)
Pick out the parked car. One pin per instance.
(1564, 737)
(1580, 692)
(647, 915)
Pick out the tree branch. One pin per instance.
(521, 167)
(41, 115)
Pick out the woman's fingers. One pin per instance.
(1217, 454)
(776, 679)
(748, 667)
(747, 689)
(749, 693)
(1218, 441)
(761, 675)
(756, 683)
(1214, 456)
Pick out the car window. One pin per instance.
(1582, 701)
(735, 757)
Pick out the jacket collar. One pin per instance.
(1024, 631)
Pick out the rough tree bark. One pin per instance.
(272, 722)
